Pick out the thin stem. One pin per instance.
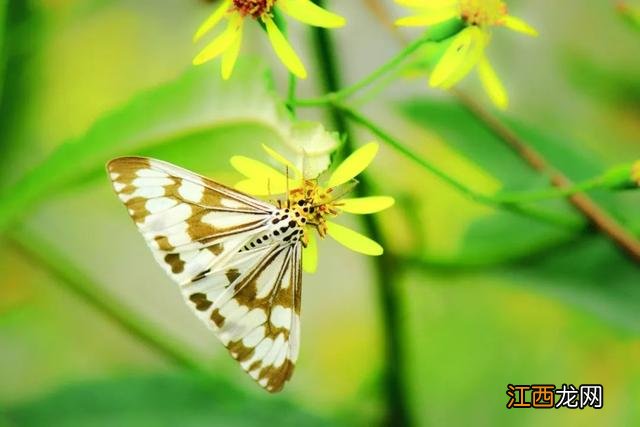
(4, 5)
(547, 193)
(386, 268)
(44, 255)
(291, 93)
(337, 95)
(538, 214)
(590, 209)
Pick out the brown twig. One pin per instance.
(590, 209)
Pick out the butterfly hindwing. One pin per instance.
(254, 308)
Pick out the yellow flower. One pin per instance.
(227, 44)
(467, 47)
(327, 196)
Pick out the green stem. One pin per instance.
(547, 193)
(338, 95)
(538, 214)
(291, 93)
(435, 34)
(4, 5)
(74, 280)
(386, 268)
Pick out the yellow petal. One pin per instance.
(517, 24)
(366, 205)
(310, 254)
(492, 84)
(353, 165)
(307, 12)
(459, 58)
(252, 168)
(430, 17)
(284, 50)
(282, 160)
(264, 187)
(221, 43)
(212, 20)
(230, 56)
(353, 240)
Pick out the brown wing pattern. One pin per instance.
(190, 222)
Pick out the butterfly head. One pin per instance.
(314, 204)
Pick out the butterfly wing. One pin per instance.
(190, 223)
(198, 231)
(253, 304)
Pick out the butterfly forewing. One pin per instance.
(199, 231)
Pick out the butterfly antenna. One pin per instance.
(287, 186)
(304, 158)
(343, 191)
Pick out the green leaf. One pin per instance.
(592, 274)
(159, 401)
(614, 83)
(196, 103)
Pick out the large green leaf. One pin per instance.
(194, 104)
(159, 401)
(615, 84)
(592, 274)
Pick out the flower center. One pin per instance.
(483, 12)
(254, 8)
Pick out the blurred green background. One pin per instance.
(487, 298)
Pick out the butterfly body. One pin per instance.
(287, 227)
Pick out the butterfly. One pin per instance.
(237, 259)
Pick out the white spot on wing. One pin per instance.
(160, 204)
(267, 280)
(232, 204)
(281, 356)
(253, 338)
(262, 349)
(294, 338)
(226, 220)
(162, 221)
(151, 173)
(239, 325)
(281, 316)
(191, 192)
(270, 357)
(152, 182)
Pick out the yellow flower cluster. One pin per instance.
(467, 48)
(227, 44)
